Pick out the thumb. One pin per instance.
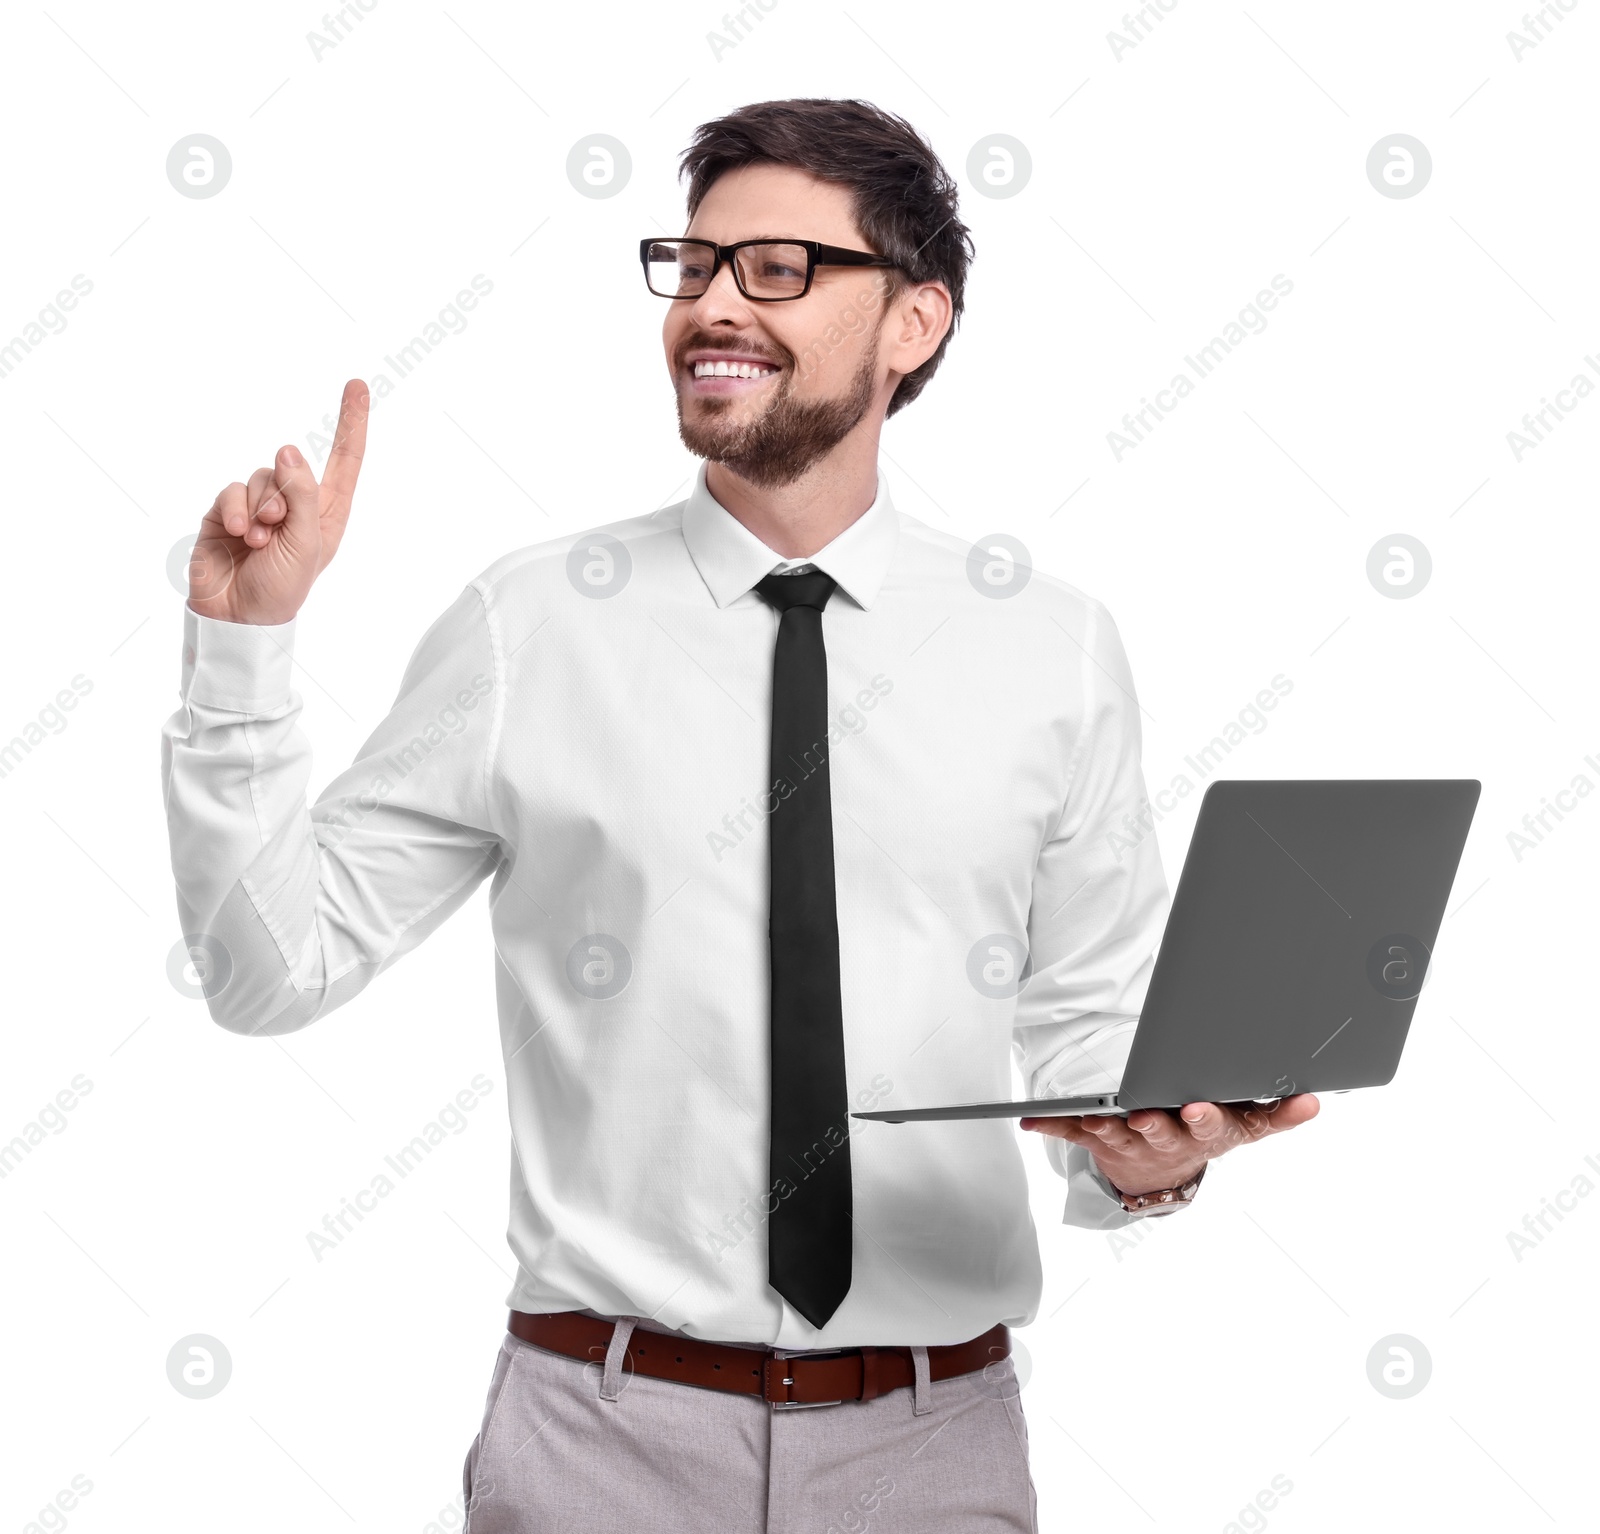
(296, 487)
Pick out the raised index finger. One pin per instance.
(349, 441)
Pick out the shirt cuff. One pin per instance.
(1091, 1204)
(241, 667)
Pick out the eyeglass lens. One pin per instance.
(682, 268)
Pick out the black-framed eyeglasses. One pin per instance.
(767, 271)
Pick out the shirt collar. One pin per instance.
(731, 559)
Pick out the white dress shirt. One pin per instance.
(587, 726)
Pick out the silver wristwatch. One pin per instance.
(1162, 1200)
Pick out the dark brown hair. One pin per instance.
(904, 200)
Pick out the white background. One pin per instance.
(1170, 1379)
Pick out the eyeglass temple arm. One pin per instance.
(834, 255)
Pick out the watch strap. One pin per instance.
(1159, 1200)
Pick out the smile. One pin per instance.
(729, 375)
(724, 369)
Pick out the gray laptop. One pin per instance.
(1298, 941)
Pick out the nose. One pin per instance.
(722, 302)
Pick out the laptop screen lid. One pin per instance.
(1299, 938)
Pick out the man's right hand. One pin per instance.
(262, 544)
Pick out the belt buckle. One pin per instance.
(786, 1353)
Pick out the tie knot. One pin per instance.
(812, 589)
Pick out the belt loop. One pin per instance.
(923, 1390)
(611, 1379)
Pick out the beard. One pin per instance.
(788, 437)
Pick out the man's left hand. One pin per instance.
(1150, 1150)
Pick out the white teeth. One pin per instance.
(722, 368)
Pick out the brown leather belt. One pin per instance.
(816, 1378)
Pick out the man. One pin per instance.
(793, 806)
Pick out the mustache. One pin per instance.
(700, 341)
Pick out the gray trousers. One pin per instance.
(591, 1448)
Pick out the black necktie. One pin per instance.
(808, 1230)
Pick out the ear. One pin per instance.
(915, 324)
